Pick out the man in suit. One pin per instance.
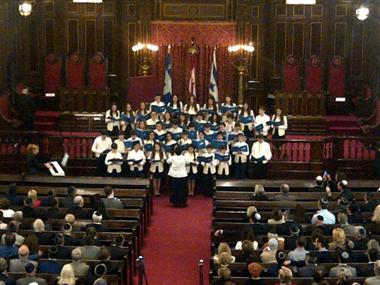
(77, 210)
(376, 279)
(117, 249)
(323, 255)
(9, 249)
(373, 255)
(30, 272)
(69, 240)
(369, 202)
(18, 264)
(53, 212)
(343, 258)
(80, 268)
(291, 242)
(28, 210)
(348, 229)
(284, 194)
(8, 280)
(68, 201)
(97, 222)
(308, 270)
(111, 202)
(63, 251)
(50, 266)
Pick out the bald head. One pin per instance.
(284, 188)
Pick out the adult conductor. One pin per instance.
(178, 179)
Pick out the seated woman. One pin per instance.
(338, 239)
(285, 276)
(259, 193)
(224, 255)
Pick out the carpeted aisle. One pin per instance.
(177, 239)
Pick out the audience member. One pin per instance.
(111, 201)
(259, 193)
(338, 239)
(90, 251)
(224, 274)
(348, 229)
(18, 264)
(308, 270)
(375, 280)
(5, 208)
(77, 210)
(67, 276)
(117, 248)
(299, 253)
(97, 222)
(80, 268)
(68, 201)
(328, 217)
(51, 266)
(30, 276)
(4, 277)
(3, 226)
(268, 255)
(369, 202)
(284, 194)
(343, 257)
(285, 276)
(12, 195)
(376, 215)
(32, 194)
(254, 270)
(343, 276)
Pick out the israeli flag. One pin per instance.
(168, 78)
(213, 86)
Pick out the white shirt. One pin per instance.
(112, 123)
(282, 128)
(176, 130)
(177, 166)
(261, 149)
(136, 155)
(133, 140)
(250, 113)
(262, 120)
(239, 245)
(240, 157)
(209, 166)
(154, 103)
(9, 213)
(99, 145)
(156, 166)
(192, 158)
(191, 110)
(152, 122)
(120, 146)
(113, 166)
(328, 217)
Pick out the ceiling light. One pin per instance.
(301, 2)
(25, 7)
(362, 13)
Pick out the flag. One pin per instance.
(167, 92)
(192, 86)
(213, 86)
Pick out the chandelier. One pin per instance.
(25, 7)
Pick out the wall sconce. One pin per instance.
(241, 60)
(362, 13)
(145, 54)
(25, 7)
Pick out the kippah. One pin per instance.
(344, 201)
(53, 250)
(281, 255)
(100, 269)
(324, 200)
(345, 255)
(67, 227)
(319, 178)
(320, 218)
(344, 182)
(29, 267)
(257, 216)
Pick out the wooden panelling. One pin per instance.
(340, 36)
(280, 35)
(316, 38)
(193, 11)
(298, 31)
(108, 42)
(49, 35)
(317, 11)
(255, 38)
(90, 37)
(357, 50)
(33, 45)
(72, 35)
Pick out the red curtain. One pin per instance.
(206, 35)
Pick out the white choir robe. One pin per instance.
(176, 130)
(99, 145)
(223, 167)
(154, 103)
(230, 127)
(170, 143)
(250, 125)
(111, 123)
(113, 166)
(262, 120)
(281, 128)
(136, 155)
(121, 146)
(178, 106)
(152, 123)
(124, 123)
(194, 165)
(206, 108)
(184, 142)
(191, 110)
(133, 140)
(261, 149)
(209, 166)
(240, 157)
(156, 166)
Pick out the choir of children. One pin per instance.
(213, 138)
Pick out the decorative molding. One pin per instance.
(194, 11)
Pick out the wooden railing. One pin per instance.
(16, 142)
(83, 100)
(301, 103)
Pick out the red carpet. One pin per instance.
(177, 239)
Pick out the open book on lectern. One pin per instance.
(57, 168)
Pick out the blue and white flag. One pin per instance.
(213, 86)
(168, 78)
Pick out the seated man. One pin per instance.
(97, 218)
(376, 279)
(284, 194)
(50, 266)
(18, 264)
(30, 276)
(117, 249)
(77, 210)
(80, 268)
(4, 277)
(328, 217)
(343, 258)
(299, 253)
(111, 202)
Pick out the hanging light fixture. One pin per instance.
(301, 2)
(362, 13)
(25, 7)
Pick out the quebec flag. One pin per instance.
(167, 92)
(213, 86)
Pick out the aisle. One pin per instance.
(177, 239)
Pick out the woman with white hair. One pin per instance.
(38, 226)
(67, 275)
